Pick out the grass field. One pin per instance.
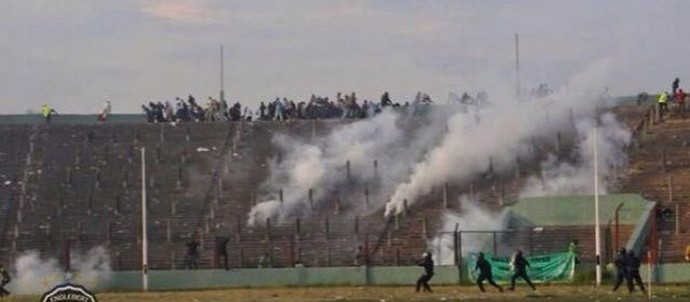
(385, 294)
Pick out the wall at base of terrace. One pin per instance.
(324, 276)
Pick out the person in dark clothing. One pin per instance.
(675, 85)
(222, 250)
(386, 100)
(484, 268)
(633, 267)
(520, 265)
(4, 279)
(192, 258)
(428, 265)
(621, 269)
(150, 114)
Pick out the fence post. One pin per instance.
(461, 269)
(376, 168)
(298, 226)
(517, 167)
(677, 212)
(366, 196)
(495, 245)
(670, 188)
(455, 244)
(445, 195)
(117, 204)
(356, 224)
(558, 141)
(311, 199)
(268, 230)
(347, 165)
(327, 227)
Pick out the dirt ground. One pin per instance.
(386, 294)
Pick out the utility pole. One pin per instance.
(517, 66)
(597, 231)
(222, 66)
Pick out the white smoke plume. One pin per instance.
(470, 218)
(321, 165)
(576, 177)
(36, 275)
(501, 132)
(450, 146)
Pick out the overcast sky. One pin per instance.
(73, 54)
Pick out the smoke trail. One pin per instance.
(470, 218)
(390, 138)
(499, 133)
(575, 178)
(35, 275)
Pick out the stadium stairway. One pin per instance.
(659, 169)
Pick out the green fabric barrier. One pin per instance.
(556, 267)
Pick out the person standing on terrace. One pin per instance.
(103, 115)
(47, 113)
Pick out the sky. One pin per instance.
(75, 54)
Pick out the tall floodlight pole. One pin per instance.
(597, 232)
(517, 65)
(222, 88)
(144, 239)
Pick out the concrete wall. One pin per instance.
(668, 273)
(326, 276)
(204, 279)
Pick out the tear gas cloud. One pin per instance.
(448, 146)
(471, 218)
(36, 275)
(576, 177)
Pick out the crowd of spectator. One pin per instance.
(344, 106)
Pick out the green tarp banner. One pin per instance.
(543, 268)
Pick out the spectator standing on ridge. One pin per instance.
(621, 268)
(103, 115)
(663, 103)
(47, 113)
(633, 267)
(428, 265)
(520, 265)
(675, 85)
(4, 279)
(679, 97)
(484, 268)
(192, 258)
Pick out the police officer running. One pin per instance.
(621, 268)
(520, 265)
(484, 268)
(4, 279)
(633, 266)
(428, 265)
